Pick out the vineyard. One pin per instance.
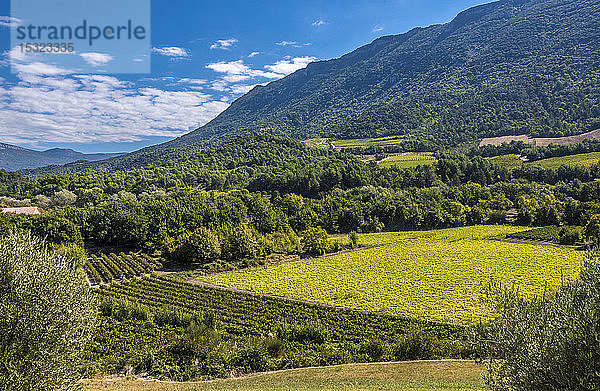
(244, 314)
(434, 275)
(103, 269)
(582, 159)
(407, 160)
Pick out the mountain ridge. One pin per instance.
(14, 157)
(502, 68)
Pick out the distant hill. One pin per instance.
(14, 158)
(504, 68)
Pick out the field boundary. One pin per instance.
(266, 373)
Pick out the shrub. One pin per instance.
(548, 342)
(373, 348)
(314, 240)
(47, 313)
(570, 235)
(308, 332)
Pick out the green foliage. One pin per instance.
(592, 229)
(201, 245)
(47, 313)
(548, 342)
(314, 240)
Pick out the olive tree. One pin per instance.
(550, 342)
(47, 313)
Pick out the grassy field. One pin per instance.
(508, 161)
(435, 275)
(408, 160)
(365, 142)
(410, 376)
(582, 159)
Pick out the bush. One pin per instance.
(47, 313)
(314, 240)
(548, 342)
(571, 235)
(373, 348)
(416, 346)
(251, 358)
(301, 333)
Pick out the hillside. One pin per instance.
(504, 68)
(15, 158)
(507, 67)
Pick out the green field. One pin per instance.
(408, 160)
(410, 376)
(434, 275)
(582, 159)
(365, 142)
(508, 161)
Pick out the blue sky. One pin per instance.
(203, 56)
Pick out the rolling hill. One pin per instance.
(13, 157)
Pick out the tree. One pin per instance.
(314, 240)
(592, 229)
(242, 243)
(47, 313)
(202, 245)
(549, 342)
(63, 198)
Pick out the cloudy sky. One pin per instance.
(203, 56)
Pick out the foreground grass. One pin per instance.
(435, 275)
(410, 376)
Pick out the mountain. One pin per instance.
(507, 67)
(15, 158)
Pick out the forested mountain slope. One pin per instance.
(507, 67)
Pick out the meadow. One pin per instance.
(508, 161)
(408, 160)
(431, 275)
(413, 376)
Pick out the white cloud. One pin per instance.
(319, 22)
(39, 68)
(377, 29)
(56, 107)
(171, 51)
(286, 67)
(8, 21)
(96, 59)
(224, 44)
(292, 43)
(253, 54)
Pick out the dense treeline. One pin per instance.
(258, 194)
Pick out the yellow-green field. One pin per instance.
(408, 160)
(436, 275)
(508, 161)
(582, 159)
(409, 376)
(363, 142)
